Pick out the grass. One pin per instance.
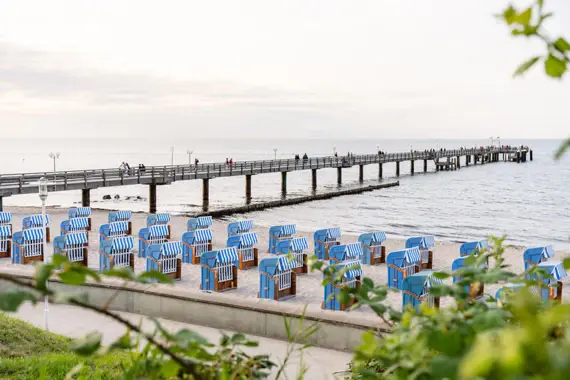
(27, 352)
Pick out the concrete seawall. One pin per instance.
(337, 330)
(293, 201)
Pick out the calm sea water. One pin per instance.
(528, 202)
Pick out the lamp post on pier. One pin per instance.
(54, 156)
(334, 150)
(275, 154)
(189, 153)
(43, 193)
(171, 156)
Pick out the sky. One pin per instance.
(273, 68)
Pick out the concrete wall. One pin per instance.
(337, 330)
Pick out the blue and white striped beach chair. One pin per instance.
(165, 258)
(116, 252)
(81, 212)
(28, 246)
(5, 240)
(74, 246)
(35, 221)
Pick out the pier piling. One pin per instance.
(248, 186)
(283, 183)
(152, 198)
(412, 162)
(380, 171)
(397, 168)
(1, 203)
(458, 162)
(361, 173)
(425, 166)
(339, 176)
(314, 182)
(205, 190)
(85, 197)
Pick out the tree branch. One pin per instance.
(190, 368)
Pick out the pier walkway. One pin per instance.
(85, 180)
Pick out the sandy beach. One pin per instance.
(309, 289)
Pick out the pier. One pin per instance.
(153, 176)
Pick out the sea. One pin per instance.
(528, 202)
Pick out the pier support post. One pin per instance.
(458, 162)
(361, 173)
(248, 186)
(314, 181)
(152, 198)
(380, 171)
(205, 190)
(85, 197)
(339, 176)
(397, 168)
(412, 162)
(1, 203)
(425, 166)
(283, 183)
(530, 152)
(467, 160)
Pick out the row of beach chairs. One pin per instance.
(409, 270)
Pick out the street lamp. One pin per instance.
(189, 153)
(54, 156)
(377, 148)
(275, 153)
(334, 150)
(43, 193)
(171, 156)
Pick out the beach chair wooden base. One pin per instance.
(378, 259)
(196, 259)
(555, 296)
(244, 265)
(8, 250)
(176, 276)
(289, 292)
(32, 259)
(169, 233)
(226, 285)
(130, 228)
(429, 264)
(88, 224)
(48, 235)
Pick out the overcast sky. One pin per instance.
(269, 68)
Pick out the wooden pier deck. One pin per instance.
(85, 180)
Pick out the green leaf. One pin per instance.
(510, 15)
(554, 66)
(185, 336)
(87, 345)
(43, 273)
(146, 277)
(441, 275)
(123, 343)
(524, 17)
(72, 278)
(562, 45)
(169, 369)
(59, 260)
(66, 297)
(525, 66)
(566, 263)
(12, 299)
(126, 273)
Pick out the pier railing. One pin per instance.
(23, 183)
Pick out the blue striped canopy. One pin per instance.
(36, 220)
(379, 237)
(432, 280)
(118, 226)
(427, 241)
(353, 249)
(248, 239)
(158, 230)
(162, 218)
(353, 272)
(245, 225)
(124, 215)
(413, 255)
(34, 234)
(77, 212)
(78, 223)
(288, 229)
(299, 244)
(333, 233)
(124, 242)
(203, 235)
(5, 231)
(75, 238)
(204, 221)
(227, 255)
(171, 248)
(555, 269)
(284, 264)
(5, 217)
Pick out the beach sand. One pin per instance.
(310, 292)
